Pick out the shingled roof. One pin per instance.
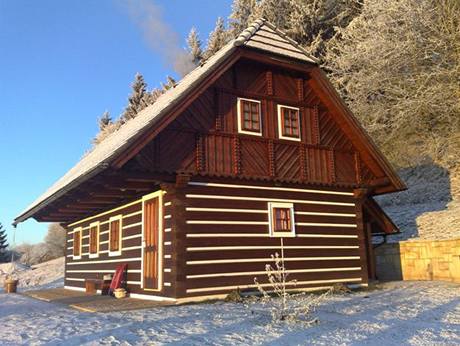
(260, 35)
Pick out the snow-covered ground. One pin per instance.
(40, 276)
(430, 208)
(415, 313)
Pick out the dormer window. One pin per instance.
(289, 123)
(249, 117)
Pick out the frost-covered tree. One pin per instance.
(104, 121)
(241, 16)
(31, 254)
(106, 127)
(137, 99)
(309, 22)
(55, 240)
(3, 245)
(313, 23)
(276, 12)
(194, 46)
(397, 65)
(217, 38)
(170, 83)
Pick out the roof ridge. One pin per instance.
(247, 33)
(291, 40)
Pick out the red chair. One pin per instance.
(119, 278)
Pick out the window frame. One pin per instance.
(92, 225)
(240, 114)
(118, 218)
(281, 123)
(80, 231)
(278, 205)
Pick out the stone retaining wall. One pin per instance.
(419, 260)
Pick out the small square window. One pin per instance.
(115, 236)
(77, 239)
(282, 222)
(249, 117)
(94, 240)
(289, 123)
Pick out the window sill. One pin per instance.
(250, 133)
(116, 253)
(287, 138)
(283, 235)
(94, 255)
(76, 257)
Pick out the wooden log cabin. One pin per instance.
(197, 191)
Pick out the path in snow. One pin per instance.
(416, 313)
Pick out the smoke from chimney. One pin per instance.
(160, 37)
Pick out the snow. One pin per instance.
(430, 208)
(413, 313)
(48, 274)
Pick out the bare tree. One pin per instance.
(55, 240)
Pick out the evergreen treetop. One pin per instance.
(194, 46)
(3, 244)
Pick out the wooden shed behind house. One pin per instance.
(195, 194)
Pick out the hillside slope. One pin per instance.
(44, 275)
(430, 208)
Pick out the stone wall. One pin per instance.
(419, 260)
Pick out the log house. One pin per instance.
(197, 191)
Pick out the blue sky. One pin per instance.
(62, 63)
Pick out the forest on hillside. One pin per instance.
(396, 63)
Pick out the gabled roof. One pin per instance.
(260, 35)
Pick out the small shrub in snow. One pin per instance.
(282, 305)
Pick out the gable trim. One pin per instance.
(331, 99)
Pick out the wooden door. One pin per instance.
(151, 236)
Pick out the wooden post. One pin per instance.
(360, 196)
(178, 228)
(370, 252)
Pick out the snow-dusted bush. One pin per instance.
(281, 304)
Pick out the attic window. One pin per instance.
(115, 228)
(94, 240)
(249, 117)
(282, 222)
(77, 243)
(289, 123)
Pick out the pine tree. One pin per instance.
(242, 15)
(170, 83)
(276, 12)
(104, 121)
(194, 46)
(3, 245)
(217, 38)
(137, 99)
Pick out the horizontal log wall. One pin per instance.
(227, 241)
(78, 270)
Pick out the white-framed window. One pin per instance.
(249, 116)
(77, 243)
(282, 223)
(289, 123)
(94, 239)
(115, 235)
